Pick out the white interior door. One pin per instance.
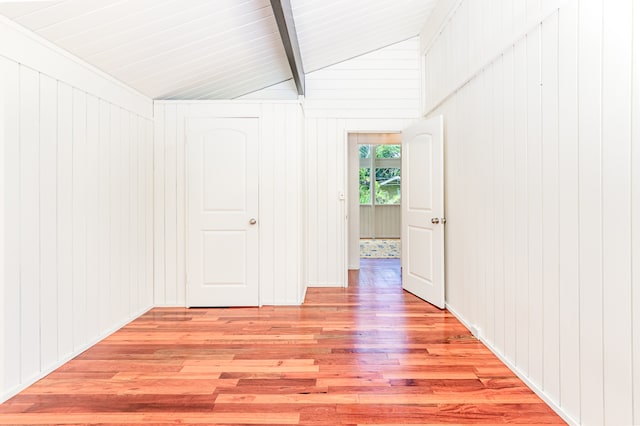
(423, 210)
(222, 208)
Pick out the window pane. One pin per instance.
(365, 185)
(388, 185)
(388, 151)
(365, 151)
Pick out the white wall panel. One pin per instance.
(534, 222)
(104, 204)
(170, 199)
(498, 200)
(550, 209)
(2, 222)
(79, 214)
(384, 83)
(29, 208)
(616, 116)
(280, 219)
(48, 221)
(546, 268)
(159, 287)
(61, 186)
(635, 210)
(115, 197)
(11, 345)
(509, 228)
(64, 186)
(92, 245)
(591, 210)
(568, 225)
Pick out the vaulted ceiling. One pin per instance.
(214, 49)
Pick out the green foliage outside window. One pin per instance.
(387, 179)
(388, 151)
(365, 185)
(388, 185)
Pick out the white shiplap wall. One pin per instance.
(76, 208)
(376, 92)
(381, 84)
(281, 205)
(543, 193)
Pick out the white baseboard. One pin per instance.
(328, 285)
(533, 386)
(16, 390)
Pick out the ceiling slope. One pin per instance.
(167, 49)
(214, 49)
(332, 31)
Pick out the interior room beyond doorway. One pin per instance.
(375, 196)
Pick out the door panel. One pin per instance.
(423, 211)
(419, 263)
(419, 157)
(222, 200)
(221, 249)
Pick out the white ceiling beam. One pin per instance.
(284, 19)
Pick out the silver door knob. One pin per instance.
(252, 221)
(435, 220)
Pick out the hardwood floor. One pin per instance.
(369, 354)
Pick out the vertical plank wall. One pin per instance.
(281, 178)
(77, 209)
(375, 92)
(541, 101)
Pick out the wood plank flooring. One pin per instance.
(369, 354)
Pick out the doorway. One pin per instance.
(421, 207)
(374, 196)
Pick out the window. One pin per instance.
(386, 171)
(388, 185)
(365, 151)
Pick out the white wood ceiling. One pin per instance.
(214, 49)
(331, 31)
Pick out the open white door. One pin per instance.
(423, 210)
(222, 208)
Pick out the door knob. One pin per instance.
(252, 221)
(435, 220)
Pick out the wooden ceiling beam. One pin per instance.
(284, 19)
